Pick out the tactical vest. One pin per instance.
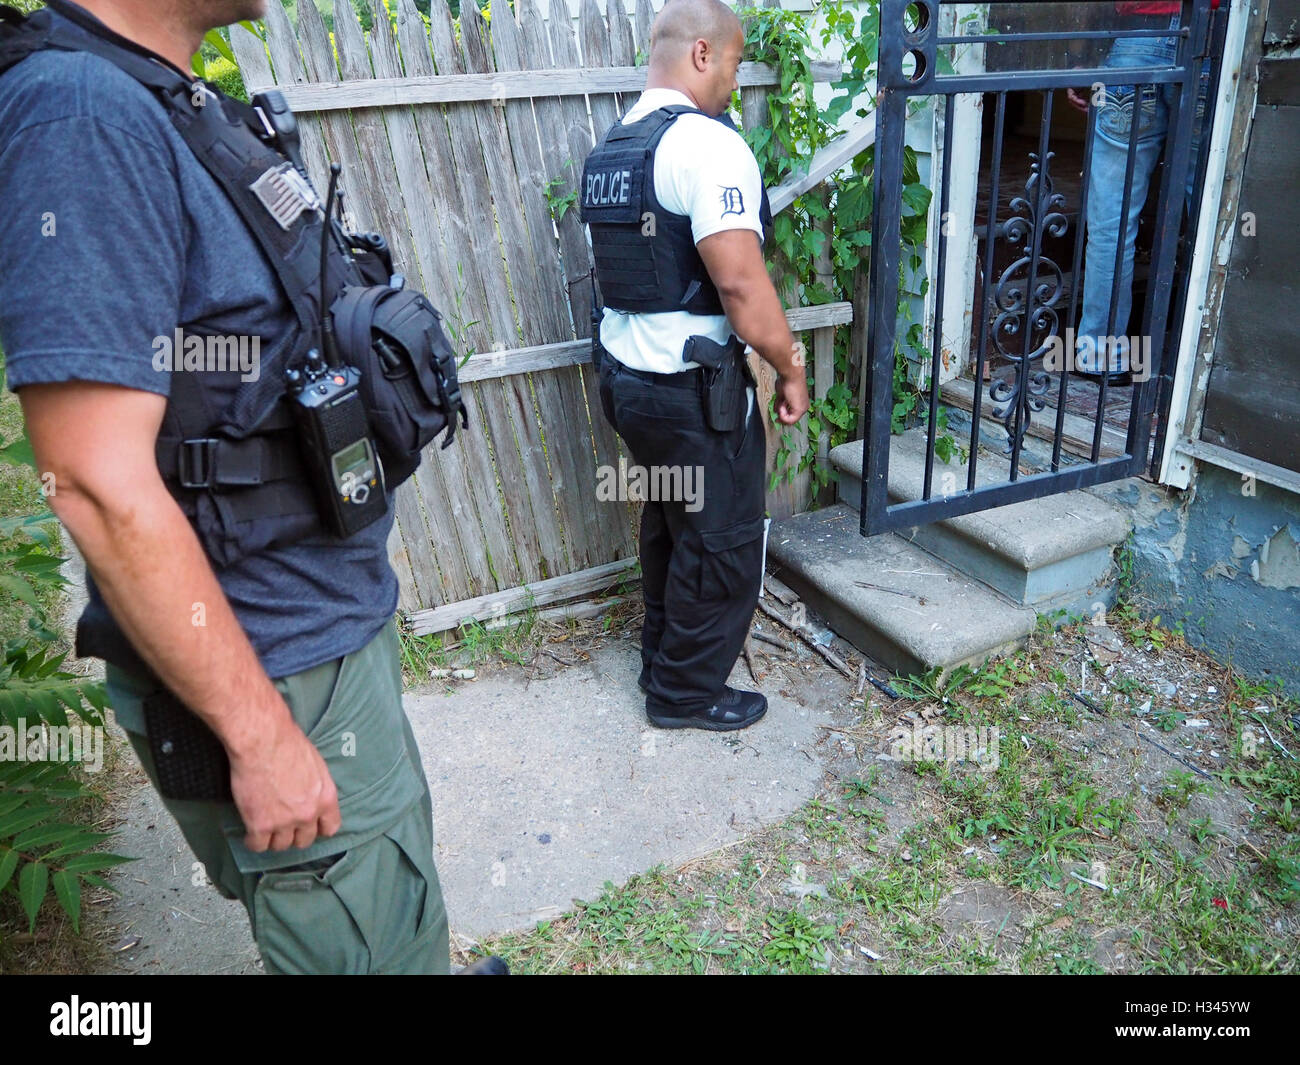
(237, 473)
(646, 259)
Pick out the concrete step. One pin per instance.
(1049, 554)
(910, 612)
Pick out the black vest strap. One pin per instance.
(646, 259)
(244, 452)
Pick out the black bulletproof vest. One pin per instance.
(646, 259)
(236, 473)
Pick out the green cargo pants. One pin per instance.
(365, 900)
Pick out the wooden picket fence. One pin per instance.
(464, 146)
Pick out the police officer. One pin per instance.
(114, 236)
(675, 204)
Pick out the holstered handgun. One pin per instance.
(726, 376)
(189, 759)
(597, 315)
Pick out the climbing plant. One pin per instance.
(796, 128)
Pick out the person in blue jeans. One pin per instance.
(1097, 351)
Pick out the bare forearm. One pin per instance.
(755, 313)
(160, 588)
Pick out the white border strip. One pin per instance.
(1176, 464)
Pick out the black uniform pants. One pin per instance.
(701, 557)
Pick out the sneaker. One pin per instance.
(735, 709)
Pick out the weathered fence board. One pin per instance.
(458, 88)
(463, 141)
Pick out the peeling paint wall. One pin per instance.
(1224, 558)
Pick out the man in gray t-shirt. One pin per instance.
(112, 235)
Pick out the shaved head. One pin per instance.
(695, 48)
(683, 22)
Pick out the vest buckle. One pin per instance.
(195, 461)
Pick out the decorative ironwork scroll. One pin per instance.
(1026, 296)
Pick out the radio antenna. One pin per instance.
(326, 323)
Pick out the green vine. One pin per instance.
(796, 128)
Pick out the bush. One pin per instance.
(41, 844)
(225, 76)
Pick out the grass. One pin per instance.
(515, 639)
(472, 644)
(1088, 851)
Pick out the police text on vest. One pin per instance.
(608, 187)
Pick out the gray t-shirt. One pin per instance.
(113, 234)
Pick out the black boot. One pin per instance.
(489, 966)
(735, 709)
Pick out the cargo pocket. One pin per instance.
(363, 737)
(302, 925)
(375, 909)
(732, 560)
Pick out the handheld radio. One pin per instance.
(335, 437)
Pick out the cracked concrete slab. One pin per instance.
(544, 791)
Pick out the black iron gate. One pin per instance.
(1025, 311)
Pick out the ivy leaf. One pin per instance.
(839, 105)
(218, 41)
(916, 198)
(911, 167)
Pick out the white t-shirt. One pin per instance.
(706, 171)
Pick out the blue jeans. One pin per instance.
(1096, 350)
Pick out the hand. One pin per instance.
(284, 791)
(1079, 103)
(791, 398)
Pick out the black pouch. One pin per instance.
(409, 383)
(190, 761)
(725, 378)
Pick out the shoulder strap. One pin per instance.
(229, 140)
(19, 35)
